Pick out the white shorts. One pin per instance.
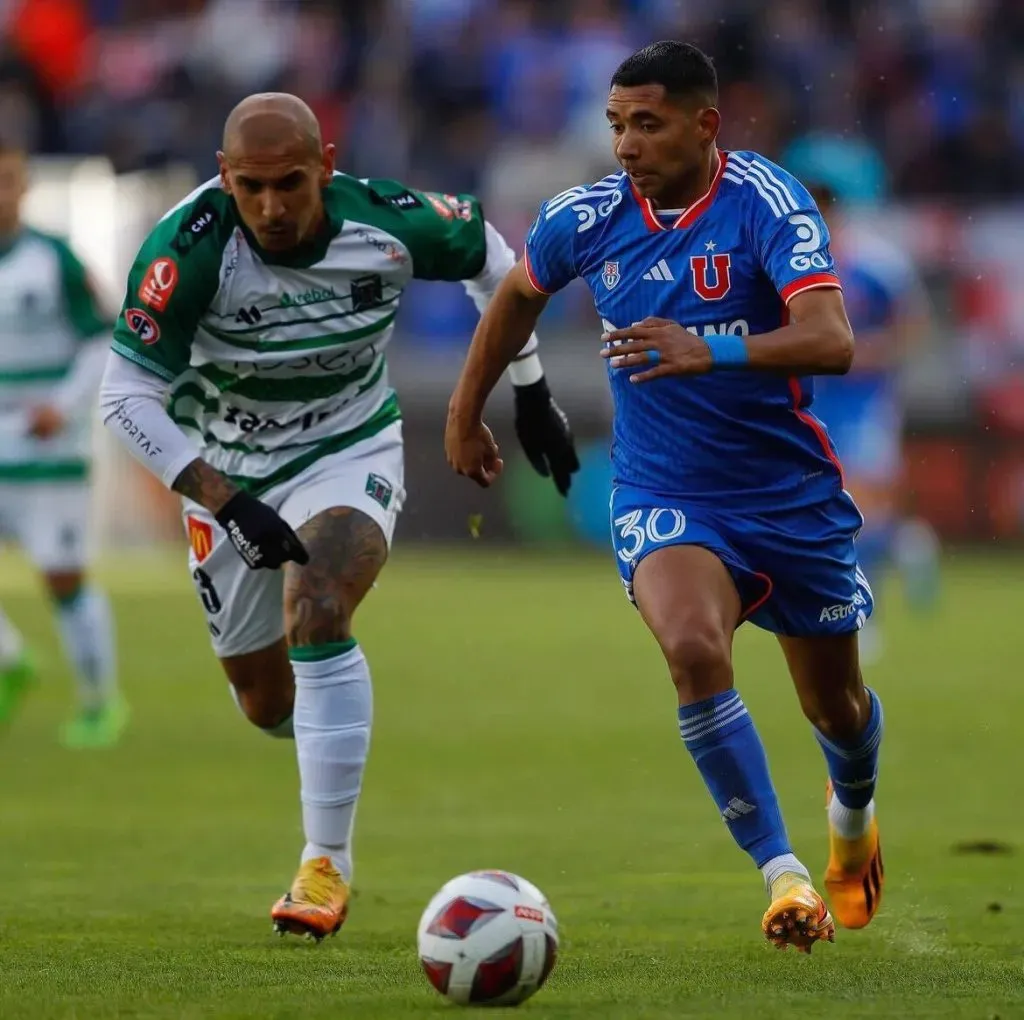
(245, 608)
(49, 521)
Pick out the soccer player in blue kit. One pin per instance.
(712, 274)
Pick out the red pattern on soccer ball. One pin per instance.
(498, 974)
(462, 916)
(438, 973)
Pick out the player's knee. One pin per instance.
(316, 621)
(265, 708)
(699, 659)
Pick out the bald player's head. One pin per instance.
(274, 164)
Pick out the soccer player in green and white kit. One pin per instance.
(53, 341)
(248, 373)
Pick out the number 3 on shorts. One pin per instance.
(640, 527)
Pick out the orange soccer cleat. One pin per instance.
(855, 875)
(317, 903)
(797, 916)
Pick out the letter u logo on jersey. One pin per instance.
(711, 289)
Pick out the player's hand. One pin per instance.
(45, 422)
(472, 451)
(660, 347)
(544, 434)
(258, 534)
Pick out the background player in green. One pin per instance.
(53, 339)
(248, 373)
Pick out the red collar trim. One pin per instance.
(690, 215)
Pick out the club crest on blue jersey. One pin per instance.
(711, 286)
(610, 276)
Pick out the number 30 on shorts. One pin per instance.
(640, 527)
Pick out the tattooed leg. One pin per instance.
(346, 550)
(333, 703)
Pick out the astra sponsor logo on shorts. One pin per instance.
(307, 297)
(200, 537)
(832, 614)
(159, 283)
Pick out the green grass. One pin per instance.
(524, 721)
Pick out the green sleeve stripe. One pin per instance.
(19, 376)
(80, 304)
(305, 344)
(386, 415)
(142, 361)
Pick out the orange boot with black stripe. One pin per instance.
(855, 876)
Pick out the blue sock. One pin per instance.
(720, 735)
(853, 766)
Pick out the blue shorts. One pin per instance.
(796, 570)
(865, 421)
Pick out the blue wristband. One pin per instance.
(728, 351)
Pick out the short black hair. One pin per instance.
(682, 68)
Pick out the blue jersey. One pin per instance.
(728, 264)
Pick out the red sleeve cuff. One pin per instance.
(812, 282)
(532, 277)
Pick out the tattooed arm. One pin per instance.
(132, 403)
(204, 485)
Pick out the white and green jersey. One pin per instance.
(47, 310)
(277, 359)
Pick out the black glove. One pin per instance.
(258, 534)
(544, 434)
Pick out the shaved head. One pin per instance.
(271, 120)
(275, 166)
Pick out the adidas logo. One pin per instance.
(737, 808)
(659, 272)
(250, 316)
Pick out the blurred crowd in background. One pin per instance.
(464, 94)
(915, 106)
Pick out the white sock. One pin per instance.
(333, 713)
(779, 866)
(850, 823)
(285, 729)
(87, 627)
(11, 645)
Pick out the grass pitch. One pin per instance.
(523, 721)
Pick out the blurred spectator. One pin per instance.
(912, 98)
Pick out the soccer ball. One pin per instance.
(488, 938)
